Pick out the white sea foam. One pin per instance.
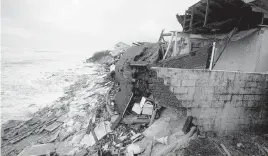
(32, 79)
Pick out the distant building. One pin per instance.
(119, 48)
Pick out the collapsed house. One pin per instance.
(214, 70)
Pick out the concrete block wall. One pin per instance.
(222, 101)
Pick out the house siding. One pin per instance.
(249, 54)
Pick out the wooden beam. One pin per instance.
(184, 20)
(216, 4)
(169, 45)
(192, 18)
(212, 56)
(207, 11)
(199, 22)
(199, 12)
(175, 44)
(161, 35)
(167, 34)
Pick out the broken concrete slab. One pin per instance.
(41, 149)
(142, 102)
(53, 126)
(83, 152)
(136, 108)
(77, 137)
(102, 129)
(147, 110)
(66, 149)
(54, 136)
(159, 128)
(88, 140)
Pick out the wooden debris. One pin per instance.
(178, 144)
(265, 148)
(187, 125)
(117, 121)
(41, 149)
(54, 136)
(261, 149)
(225, 150)
(53, 126)
(135, 120)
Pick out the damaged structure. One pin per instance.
(215, 69)
(210, 79)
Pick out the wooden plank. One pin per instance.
(184, 20)
(167, 34)
(225, 150)
(169, 45)
(207, 11)
(175, 44)
(192, 18)
(216, 4)
(212, 56)
(199, 22)
(198, 12)
(161, 35)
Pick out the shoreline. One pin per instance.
(80, 101)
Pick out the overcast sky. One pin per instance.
(86, 25)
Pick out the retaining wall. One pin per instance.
(222, 101)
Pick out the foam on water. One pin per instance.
(32, 80)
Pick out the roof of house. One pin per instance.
(221, 16)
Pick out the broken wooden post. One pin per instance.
(169, 45)
(206, 15)
(225, 150)
(175, 44)
(192, 18)
(212, 56)
(184, 21)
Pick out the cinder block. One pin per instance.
(248, 97)
(187, 103)
(171, 88)
(216, 97)
(257, 97)
(252, 103)
(238, 103)
(217, 104)
(202, 83)
(258, 77)
(247, 76)
(183, 97)
(252, 84)
(239, 83)
(204, 104)
(221, 90)
(253, 113)
(191, 91)
(204, 75)
(188, 83)
(195, 104)
(255, 90)
(229, 76)
(238, 97)
(225, 97)
(233, 90)
(193, 76)
(242, 90)
(167, 81)
(175, 82)
(180, 90)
